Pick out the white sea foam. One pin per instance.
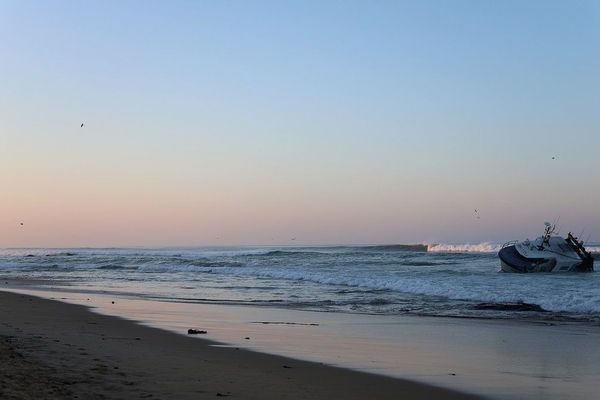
(484, 247)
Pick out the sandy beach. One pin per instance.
(53, 350)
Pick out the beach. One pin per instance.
(109, 346)
(54, 350)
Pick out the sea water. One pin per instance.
(433, 280)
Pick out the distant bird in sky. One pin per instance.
(476, 214)
(21, 224)
(293, 238)
(554, 157)
(81, 125)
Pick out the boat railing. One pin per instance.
(512, 242)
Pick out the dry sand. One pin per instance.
(54, 350)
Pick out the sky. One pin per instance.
(259, 122)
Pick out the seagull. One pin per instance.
(21, 224)
(293, 238)
(81, 125)
(477, 214)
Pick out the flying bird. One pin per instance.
(21, 224)
(81, 125)
(476, 214)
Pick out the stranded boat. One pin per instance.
(547, 253)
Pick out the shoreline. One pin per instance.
(59, 350)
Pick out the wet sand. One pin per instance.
(54, 350)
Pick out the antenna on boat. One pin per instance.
(547, 232)
(550, 228)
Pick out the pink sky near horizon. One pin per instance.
(74, 212)
(230, 123)
(147, 190)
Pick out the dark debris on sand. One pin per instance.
(196, 332)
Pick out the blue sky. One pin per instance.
(234, 122)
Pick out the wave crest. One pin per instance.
(484, 247)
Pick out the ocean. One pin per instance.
(460, 281)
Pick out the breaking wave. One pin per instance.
(593, 249)
(485, 247)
